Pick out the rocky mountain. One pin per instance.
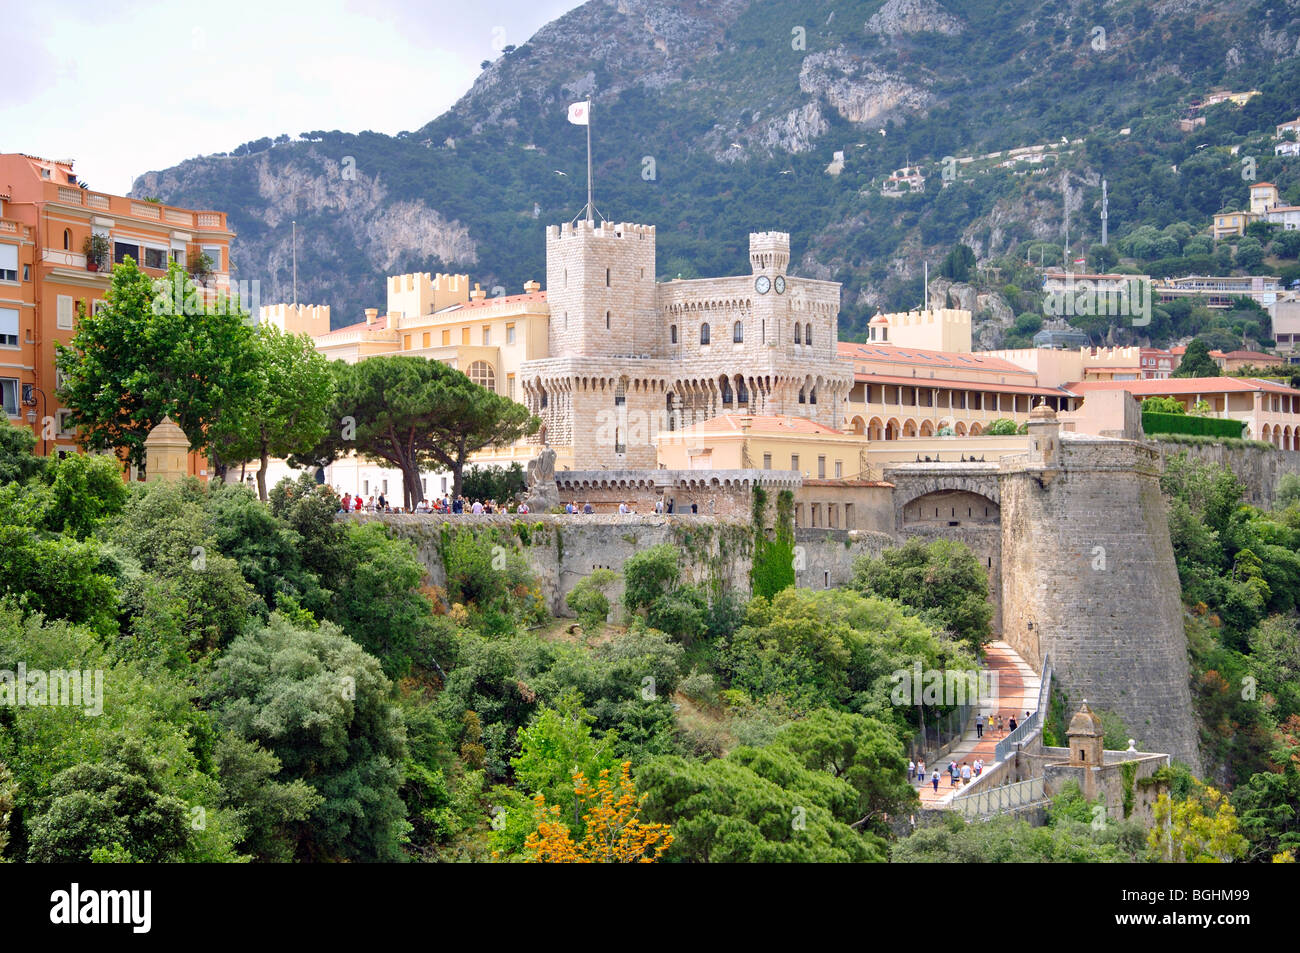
(716, 117)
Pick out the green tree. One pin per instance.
(414, 414)
(649, 575)
(1103, 258)
(320, 704)
(17, 462)
(142, 357)
(284, 411)
(943, 579)
(267, 810)
(1163, 405)
(1197, 362)
(862, 751)
(772, 567)
(1002, 427)
(590, 603)
(87, 488)
(756, 805)
(1201, 829)
(958, 263)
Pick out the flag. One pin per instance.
(579, 113)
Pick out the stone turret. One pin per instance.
(1044, 437)
(1086, 737)
(166, 452)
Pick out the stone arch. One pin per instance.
(960, 428)
(1266, 434)
(909, 427)
(975, 430)
(858, 426)
(892, 429)
(927, 428)
(876, 429)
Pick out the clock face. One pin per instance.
(780, 284)
(763, 284)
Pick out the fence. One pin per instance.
(1025, 730)
(999, 800)
(941, 729)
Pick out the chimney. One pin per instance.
(531, 287)
(372, 315)
(478, 294)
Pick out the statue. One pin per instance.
(542, 493)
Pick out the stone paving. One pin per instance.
(1018, 686)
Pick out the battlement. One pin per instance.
(769, 251)
(419, 293)
(313, 319)
(605, 230)
(936, 329)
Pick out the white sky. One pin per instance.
(128, 88)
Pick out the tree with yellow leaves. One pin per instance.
(614, 832)
(1199, 830)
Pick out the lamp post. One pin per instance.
(31, 417)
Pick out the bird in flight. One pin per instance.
(558, 172)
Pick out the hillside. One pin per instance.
(715, 119)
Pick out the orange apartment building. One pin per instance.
(46, 217)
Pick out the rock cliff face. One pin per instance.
(913, 16)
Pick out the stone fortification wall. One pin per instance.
(561, 550)
(1089, 576)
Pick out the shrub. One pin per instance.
(589, 602)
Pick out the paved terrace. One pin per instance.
(1018, 686)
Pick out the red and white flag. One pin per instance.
(579, 113)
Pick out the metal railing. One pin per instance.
(999, 800)
(1025, 730)
(941, 728)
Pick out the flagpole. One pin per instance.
(589, 205)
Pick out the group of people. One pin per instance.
(456, 505)
(445, 504)
(966, 771)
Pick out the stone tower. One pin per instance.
(600, 285)
(1087, 746)
(1089, 578)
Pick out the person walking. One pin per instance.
(999, 722)
(934, 779)
(952, 774)
(979, 725)
(1011, 725)
(965, 774)
(911, 767)
(920, 770)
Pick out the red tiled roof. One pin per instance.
(956, 384)
(1243, 355)
(956, 360)
(1185, 385)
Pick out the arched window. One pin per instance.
(742, 392)
(807, 333)
(812, 396)
(672, 334)
(796, 332)
(704, 333)
(671, 423)
(738, 333)
(481, 373)
(620, 392)
(801, 396)
(726, 390)
(67, 239)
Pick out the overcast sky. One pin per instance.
(126, 88)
